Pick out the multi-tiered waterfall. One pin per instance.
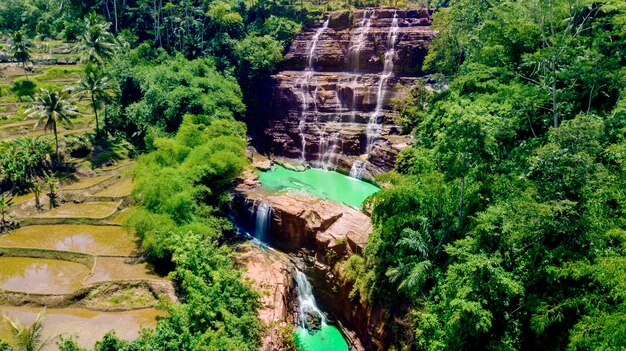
(331, 105)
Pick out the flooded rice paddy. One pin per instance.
(120, 189)
(87, 183)
(41, 276)
(114, 268)
(91, 239)
(88, 326)
(83, 210)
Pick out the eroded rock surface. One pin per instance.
(271, 274)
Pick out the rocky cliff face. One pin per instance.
(331, 106)
(322, 234)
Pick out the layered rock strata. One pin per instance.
(331, 107)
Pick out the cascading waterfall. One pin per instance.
(262, 222)
(373, 127)
(303, 85)
(306, 301)
(356, 48)
(358, 169)
(329, 148)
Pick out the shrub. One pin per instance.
(24, 88)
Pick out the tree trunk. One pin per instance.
(56, 142)
(24, 68)
(461, 200)
(115, 14)
(555, 112)
(95, 110)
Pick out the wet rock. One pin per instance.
(313, 322)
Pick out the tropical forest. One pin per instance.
(312, 175)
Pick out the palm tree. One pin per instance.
(97, 43)
(28, 338)
(5, 203)
(97, 85)
(20, 46)
(51, 108)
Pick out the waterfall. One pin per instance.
(329, 148)
(262, 222)
(355, 49)
(373, 127)
(357, 46)
(357, 169)
(304, 83)
(306, 301)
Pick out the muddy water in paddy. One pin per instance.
(109, 268)
(123, 188)
(119, 218)
(89, 182)
(82, 210)
(91, 239)
(41, 276)
(89, 326)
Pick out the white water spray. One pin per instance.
(373, 126)
(262, 222)
(357, 45)
(306, 300)
(304, 86)
(357, 170)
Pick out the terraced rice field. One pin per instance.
(88, 326)
(41, 276)
(110, 271)
(120, 189)
(87, 210)
(90, 239)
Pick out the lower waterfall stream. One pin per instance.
(314, 333)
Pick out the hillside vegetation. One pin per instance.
(504, 226)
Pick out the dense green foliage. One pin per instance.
(181, 189)
(158, 96)
(21, 161)
(504, 226)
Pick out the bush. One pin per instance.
(24, 88)
(21, 161)
(281, 29)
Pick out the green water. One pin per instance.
(327, 339)
(325, 184)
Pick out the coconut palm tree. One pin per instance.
(5, 203)
(51, 108)
(96, 85)
(97, 43)
(28, 338)
(20, 47)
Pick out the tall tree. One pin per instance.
(20, 47)
(96, 85)
(97, 43)
(51, 108)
